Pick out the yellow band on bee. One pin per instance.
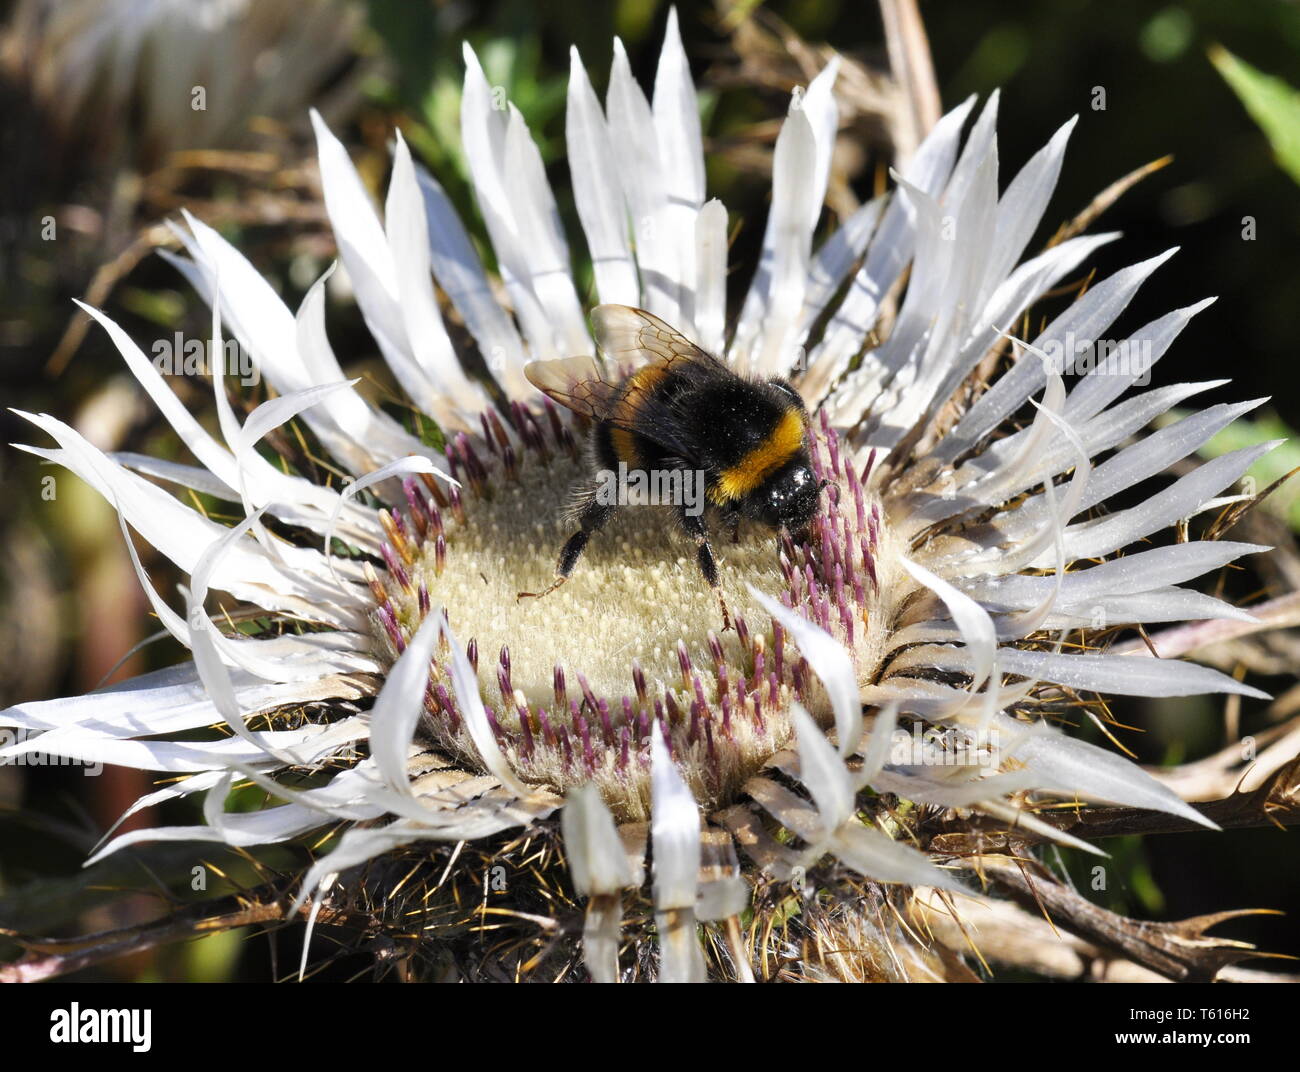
(624, 443)
(748, 473)
(635, 391)
(625, 411)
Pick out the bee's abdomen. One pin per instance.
(749, 437)
(615, 444)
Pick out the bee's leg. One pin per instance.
(695, 528)
(732, 523)
(784, 539)
(593, 518)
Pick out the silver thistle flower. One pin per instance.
(951, 561)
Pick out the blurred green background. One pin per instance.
(69, 609)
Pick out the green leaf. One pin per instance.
(1271, 102)
(428, 432)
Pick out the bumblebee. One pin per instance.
(661, 404)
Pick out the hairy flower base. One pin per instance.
(427, 902)
(573, 682)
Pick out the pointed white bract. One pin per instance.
(519, 211)
(830, 662)
(600, 204)
(675, 834)
(597, 859)
(675, 830)
(399, 706)
(822, 771)
(599, 866)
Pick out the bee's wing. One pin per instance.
(580, 383)
(634, 340)
(631, 339)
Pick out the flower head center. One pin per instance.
(574, 681)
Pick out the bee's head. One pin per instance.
(790, 497)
